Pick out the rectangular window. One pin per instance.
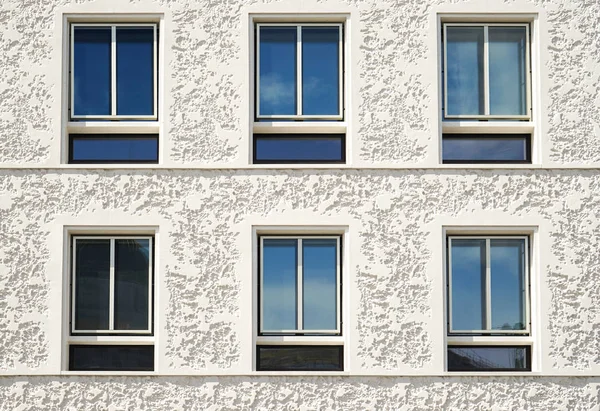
(113, 148)
(488, 297)
(299, 148)
(300, 358)
(486, 148)
(113, 71)
(299, 71)
(486, 71)
(111, 358)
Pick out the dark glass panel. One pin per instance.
(92, 284)
(91, 71)
(298, 148)
(135, 70)
(498, 148)
(111, 358)
(114, 148)
(491, 358)
(300, 358)
(132, 259)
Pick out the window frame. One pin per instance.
(527, 273)
(467, 136)
(113, 63)
(528, 72)
(299, 290)
(528, 364)
(299, 73)
(111, 331)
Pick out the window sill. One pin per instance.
(111, 339)
(497, 127)
(140, 127)
(299, 340)
(299, 127)
(110, 373)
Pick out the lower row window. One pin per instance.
(486, 148)
(113, 148)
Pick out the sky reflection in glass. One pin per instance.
(320, 284)
(507, 48)
(135, 71)
(320, 70)
(468, 284)
(467, 148)
(277, 75)
(91, 66)
(464, 71)
(279, 266)
(508, 284)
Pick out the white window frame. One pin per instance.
(341, 62)
(113, 62)
(488, 290)
(486, 73)
(111, 330)
(299, 278)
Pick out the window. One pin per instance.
(112, 288)
(299, 78)
(488, 297)
(113, 81)
(486, 78)
(299, 297)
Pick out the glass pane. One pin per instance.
(508, 284)
(280, 262)
(91, 71)
(277, 70)
(489, 358)
(132, 261)
(320, 70)
(92, 284)
(497, 148)
(114, 148)
(298, 148)
(319, 263)
(111, 358)
(508, 71)
(135, 71)
(468, 284)
(464, 66)
(300, 358)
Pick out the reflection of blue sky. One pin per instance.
(91, 56)
(135, 71)
(279, 284)
(320, 70)
(468, 284)
(92, 148)
(290, 148)
(131, 284)
(486, 148)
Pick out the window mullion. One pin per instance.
(111, 304)
(299, 70)
(113, 70)
(488, 286)
(486, 72)
(299, 284)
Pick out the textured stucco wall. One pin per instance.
(395, 217)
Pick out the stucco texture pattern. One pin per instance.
(303, 393)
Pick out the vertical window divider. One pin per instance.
(299, 284)
(111, 303)
(488, 286)
(486, 71)
(113, 70)
(299, 70)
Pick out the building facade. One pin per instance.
(356, 204)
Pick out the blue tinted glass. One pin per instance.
(135, 71)
(120, 147)
(464, 71)
(277, 70)
(507, 46)
(320, 70)
(294, 148)
(92, 284)
(488, 148)
(319, 263)
(279, 265)
(488, 358)
(468, 284)
(91, 77)
(508, 284)
(132, 259)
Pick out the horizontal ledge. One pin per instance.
(496, 127)
(299, 340)
(490, 340)
(111, 340)
(299, 127)
(125, 127)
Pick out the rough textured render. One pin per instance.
(204, 315)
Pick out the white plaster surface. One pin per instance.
(395, 300)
